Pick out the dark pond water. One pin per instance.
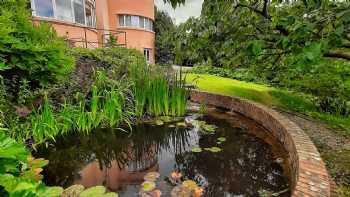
(246, 165)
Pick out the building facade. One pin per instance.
(99, 23)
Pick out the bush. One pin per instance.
(239, 74)
(31, 52)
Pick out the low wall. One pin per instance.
(309, 175)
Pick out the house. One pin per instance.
(98, 23)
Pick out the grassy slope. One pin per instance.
(266, 95)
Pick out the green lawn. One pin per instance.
(266, 95)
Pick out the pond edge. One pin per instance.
(309, 176)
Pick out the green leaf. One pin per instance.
(53, 192)
(196, 150)
(255, 47)
(222, 139)
(214, 149)
(313, 51)
(148, 186)
(73, 191)
(10, 149)
(93, 191)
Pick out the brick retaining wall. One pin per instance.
(309, 176)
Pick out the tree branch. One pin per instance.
(338, 54)
(263, 13)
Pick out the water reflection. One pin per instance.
(120, 160)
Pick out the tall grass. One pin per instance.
(44, 124)
(159, 93)
(105, 108)
(113, 102)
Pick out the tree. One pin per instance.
(165, 29)
(289, 44)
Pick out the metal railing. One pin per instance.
(100, 38)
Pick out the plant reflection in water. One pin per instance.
(245, 164)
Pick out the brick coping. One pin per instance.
(309, 176)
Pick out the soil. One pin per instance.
(333, 147)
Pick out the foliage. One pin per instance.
(239, 74)
(269, 96)
(19, 172)
(164, 29)
(31, 52)
(290, 44)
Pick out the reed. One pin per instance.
(44, 124)
(158, 93)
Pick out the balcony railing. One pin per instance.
(99, 38)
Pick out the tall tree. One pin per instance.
(164, 28)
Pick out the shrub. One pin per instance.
(31, 52)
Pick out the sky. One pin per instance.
(182, 13)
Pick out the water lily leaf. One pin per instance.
(197, 150)
(181, 191)
(72, 191)
(110, 194)
(148, 186)
(151, 176)
(159, 122)
(166, 119)
(53, 191)
(219, 142)
(190, 184)
(214, 149)
(181, 124)
(93, 191)
(222, 139)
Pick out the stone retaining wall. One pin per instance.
(309, 176)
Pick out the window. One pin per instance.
(136, 22)
(77, 11)
(43, 8)
(90, 13)
(79, 14)
(147, 54)
(64, 10)
(142, 22)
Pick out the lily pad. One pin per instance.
(190, 185)
(181, 124)
(93, 191)
(197, 150)
(159, 122)
(72, 191)
(166, 118)
(171, 126)
(213, 149)
(110, 194)
(222, 139)
(53, 191)
(181, 191)
(151, 176)
(148, 186)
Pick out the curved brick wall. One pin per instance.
(309, 176)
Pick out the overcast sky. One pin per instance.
(182, 13)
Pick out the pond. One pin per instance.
(245, 161)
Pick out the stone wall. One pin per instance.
(309, 176)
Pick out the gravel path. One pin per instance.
(334, 148)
